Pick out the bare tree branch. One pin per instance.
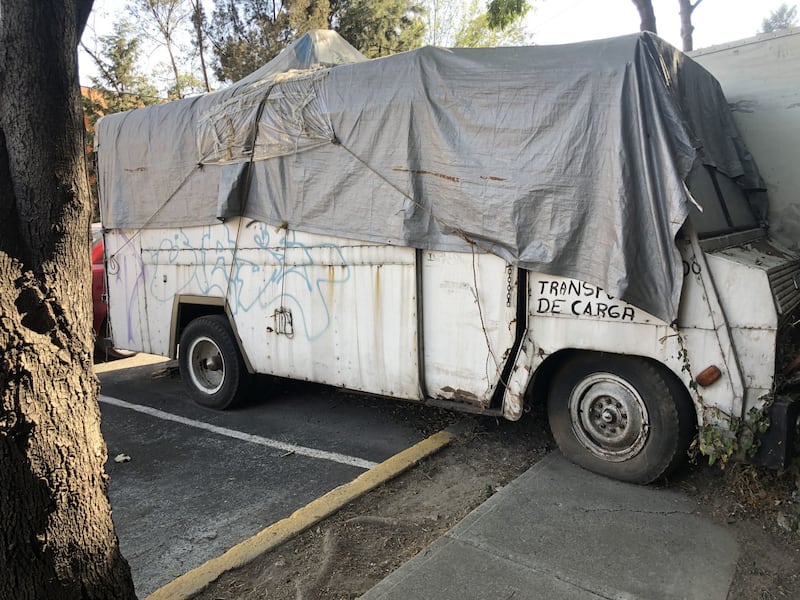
(100, 65)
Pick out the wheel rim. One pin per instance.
(206, 365)
(609, 417)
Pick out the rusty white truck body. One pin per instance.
(432, 270)
(462, 330)
(430, 325)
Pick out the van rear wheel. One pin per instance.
(620, 416)
(210, 363)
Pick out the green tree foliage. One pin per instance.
(187, 84)
(381, 27)
(466, 23)
(245, 34)
(117, 59)
(119, 86)
(477, 32)
(305, 15)
(782, 17)
(501, 14)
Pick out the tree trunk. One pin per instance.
(646, 14)
(177, 75)
(687, 29)
(57, 539)
(198, 20)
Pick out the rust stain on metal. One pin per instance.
(421, 172)
(459, 395)
(492, 178)
(331, 282)
(377, 311)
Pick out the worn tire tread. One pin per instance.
(672, 422)
(237, 380)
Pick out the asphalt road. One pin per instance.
(200, 481)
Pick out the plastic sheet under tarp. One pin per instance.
(568, 160)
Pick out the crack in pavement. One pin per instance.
(638, 511)
(514, 558)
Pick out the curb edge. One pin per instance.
(267, 539)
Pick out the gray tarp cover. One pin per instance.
(568, 160)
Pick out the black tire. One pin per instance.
(210, 363)
(620, 416)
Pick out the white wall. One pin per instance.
(761, 79)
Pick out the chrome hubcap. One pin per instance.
(609, 417)
(206, 365)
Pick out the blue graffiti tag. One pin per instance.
(214, 269)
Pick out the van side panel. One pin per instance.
(469, 313)
(326, 309)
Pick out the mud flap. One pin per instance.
(778, 443)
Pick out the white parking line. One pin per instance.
(246, 437)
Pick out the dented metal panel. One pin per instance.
(469, 302)
(571, 314)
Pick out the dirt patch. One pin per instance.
(761, 508)
(347, 554)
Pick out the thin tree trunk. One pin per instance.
(646, 14)
(178, 88)
(197, 20)
(687, 29)
(57, 540)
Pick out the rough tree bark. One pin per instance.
(686, 9)
(646, 14)
(57, 539)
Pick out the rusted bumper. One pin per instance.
(779, 442)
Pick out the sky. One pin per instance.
(715, 21)
(565, 21)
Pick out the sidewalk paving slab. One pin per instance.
(558, 531)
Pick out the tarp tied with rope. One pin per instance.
(568, 160)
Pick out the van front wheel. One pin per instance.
(210, 364)
(620, 416)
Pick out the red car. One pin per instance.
(102, 346)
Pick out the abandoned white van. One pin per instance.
(579, 225)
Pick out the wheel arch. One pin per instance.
(187, 308)
(537, 391)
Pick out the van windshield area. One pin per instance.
(725, 205)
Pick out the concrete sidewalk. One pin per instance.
(559, 532)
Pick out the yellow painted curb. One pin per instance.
(197, 579)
